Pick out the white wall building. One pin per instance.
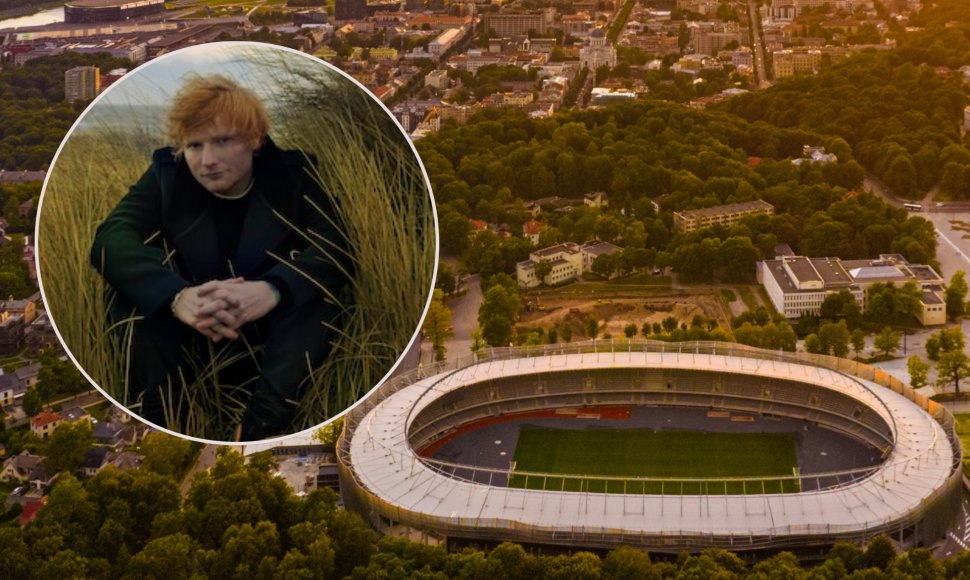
(798, 285)
(569, 260)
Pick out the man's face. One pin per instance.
(220, 158)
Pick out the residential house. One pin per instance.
(75, 414)
(44, 423)
(531, 230)
(95, 459)
(17, 469)
(11, 390)
(28, 374)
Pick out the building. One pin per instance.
(812, 155)
(532, 229)
(721, 215)
(437, 78)
(83, 11)
(596, 199)
(26, 308)
(21, 176)
(82, 83)
(394, 476)
(798, 285)
(11, 332)
(597, 51)
(350, 9)
(568, 261)
(512, 24)
(11, 390)
(44, 423)
(444, 41)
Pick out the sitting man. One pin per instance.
(225, 249)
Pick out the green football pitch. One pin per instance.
(676, 456)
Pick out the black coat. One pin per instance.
(161, 237)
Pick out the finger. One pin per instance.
(210, 308)
(225, 331)
(208, 287)
(226, 318)
(226, 296)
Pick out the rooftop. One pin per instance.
(747, 206)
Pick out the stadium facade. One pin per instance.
(910, 495)
(89, 11)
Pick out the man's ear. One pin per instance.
(258, 144)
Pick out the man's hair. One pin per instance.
(202, 100)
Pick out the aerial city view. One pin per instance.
(700, 310)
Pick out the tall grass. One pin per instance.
(363, 162)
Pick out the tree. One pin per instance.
(329, 433)
(592, 328)
(437, 324)
(956, 296)
(669, 324)
(566, 331)
(497, 315)
(841, 306)
(918, 371)
(67, 445)
(446, 280)
(835, 338)
(33, 403)
(165, 454)
(858, 339)
(952, 367)
(543, 269)
(630, 330)
(813, 344)
(946, 340)
(887, 340)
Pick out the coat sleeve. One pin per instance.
(327, 260)
(123, 253)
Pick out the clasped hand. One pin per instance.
(219, 308)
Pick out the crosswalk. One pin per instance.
(965, 529)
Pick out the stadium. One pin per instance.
(664, 446)
(88, 11)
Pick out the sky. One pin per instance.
(255, 65)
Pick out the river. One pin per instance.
(48, 16)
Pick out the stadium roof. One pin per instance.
(386, 466)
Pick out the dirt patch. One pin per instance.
(613, 315)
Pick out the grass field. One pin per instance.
(662, 454)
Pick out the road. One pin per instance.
(754, 20)
(464, 320)
(207, 459)
(953, 250)
(81, 400)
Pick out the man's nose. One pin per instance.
(208, 155)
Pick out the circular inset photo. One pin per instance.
(236, 242)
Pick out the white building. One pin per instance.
(569, 261)
(798, 285)
(597, 51)
(444, 41)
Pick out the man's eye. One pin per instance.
(223, 140)
(193, 146)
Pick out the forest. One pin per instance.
(899, 109)
(683, 159)
(240, 521)
(34, 117)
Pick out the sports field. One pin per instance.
(673, 455)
